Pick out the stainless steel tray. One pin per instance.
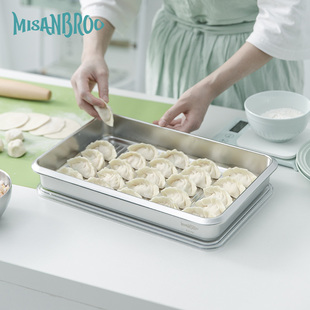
(255, 205)
(127, 131)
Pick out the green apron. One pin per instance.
(192, 38)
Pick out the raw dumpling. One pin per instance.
(165, 201)
(165, 166)
(219, 193)
(111, 177)
(178, 196)
(134, 159)
(209, 165)
(129, 191)
(106, 114)
(198, 175)
(148, 151)
(244, 176)
(207, 207)
(152, 174)
(178, 158)
(209, 202)
(16, 148)
(83, 166)
(95, 157)
(232, 186)
(71, 172)
(123, 168)
(98, 181)
(143, 187)
(105, 147)
(198, 211)
(183, 182)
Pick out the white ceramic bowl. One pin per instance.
(277, 130)
(4, 200)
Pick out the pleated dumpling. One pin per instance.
(207, 208)
(209, 165)
(198, 175)
(152, 174)
(98, 181)
(105, 147)
(111, 177)
(148, 151)
(106, 114)
(178, 158)
(214, 207)
(198, 211)
(71, 172)
(183, 182)
(123, 168)
(95, 157)
(165, 166)
(129, 191)
(242, 175)
(219, 193)
(143, 187)
(231, 185)
(83, 166)
(134, 159)
(178, 196)
(165, 201)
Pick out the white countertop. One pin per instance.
(54, 256)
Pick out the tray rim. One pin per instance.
(254, 207)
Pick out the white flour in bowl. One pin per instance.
(282, 113)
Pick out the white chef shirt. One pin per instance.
(282, 27)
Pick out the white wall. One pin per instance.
(57, 55)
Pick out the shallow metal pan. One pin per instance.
(126, 131)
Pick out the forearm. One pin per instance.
(245, 61)
(96, 42)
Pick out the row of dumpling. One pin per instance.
(216, 198)
(167, 178)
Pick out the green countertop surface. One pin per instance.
(62, 104)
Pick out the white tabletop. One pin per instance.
(57, 257)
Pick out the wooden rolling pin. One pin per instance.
(22, 90)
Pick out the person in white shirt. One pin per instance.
(202, 52)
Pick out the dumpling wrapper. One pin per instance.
(70, 127)
(55, 124)
(106, 114)
(12, 120)
(35, 121)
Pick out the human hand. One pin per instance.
(92, 70)
(193, 103)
